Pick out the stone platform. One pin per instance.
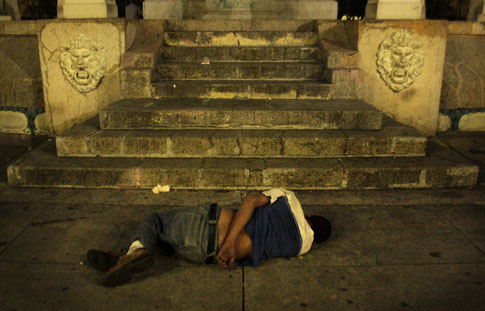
(243, 105)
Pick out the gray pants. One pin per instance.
(186, 230)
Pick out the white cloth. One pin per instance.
(306, 231)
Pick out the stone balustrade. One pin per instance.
(75, 9)
(395, 9)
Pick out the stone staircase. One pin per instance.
(242, 105)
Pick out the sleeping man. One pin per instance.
(268, 224)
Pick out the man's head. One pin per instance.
(321, 227)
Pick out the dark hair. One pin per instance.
(321, 228)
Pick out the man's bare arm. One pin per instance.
(227, 253)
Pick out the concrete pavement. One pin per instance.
(394, 250)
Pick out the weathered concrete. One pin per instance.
(393, 257)
(69, 285)
(240, 38)
(87, 140)
(241, 71)
(145, 197)
(242, 89)
(236, 54)
(441, 168)
(14, 220)
(241, 114)
(357, 288)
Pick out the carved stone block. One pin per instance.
(87, 9)
(400, 60)
(83, 63)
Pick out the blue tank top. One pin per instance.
(273, 231)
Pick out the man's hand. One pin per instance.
(226, 255)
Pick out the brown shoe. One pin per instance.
(136, 262)
(101, 260)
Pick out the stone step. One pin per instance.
(238, 54)
(87, 140)
(240, 38)
(241, 71)
(241, 89)
(240, 114)
(339, 57)
(242, 25)
(441, 168)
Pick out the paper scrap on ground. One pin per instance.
(158, 188)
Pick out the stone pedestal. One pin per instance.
(80, 64)
(163, 9)
(403, 63)
(71, 9)
(313, 9)
(476, 11)
(243, 9)
(271, 9)
(12, 10)
(395, 9)
(481, 17)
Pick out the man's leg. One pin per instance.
(150, 236)
(149, 239)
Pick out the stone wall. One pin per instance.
(462, 105)
(21, 96)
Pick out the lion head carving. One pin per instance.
(83, 63)
(400, 60)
